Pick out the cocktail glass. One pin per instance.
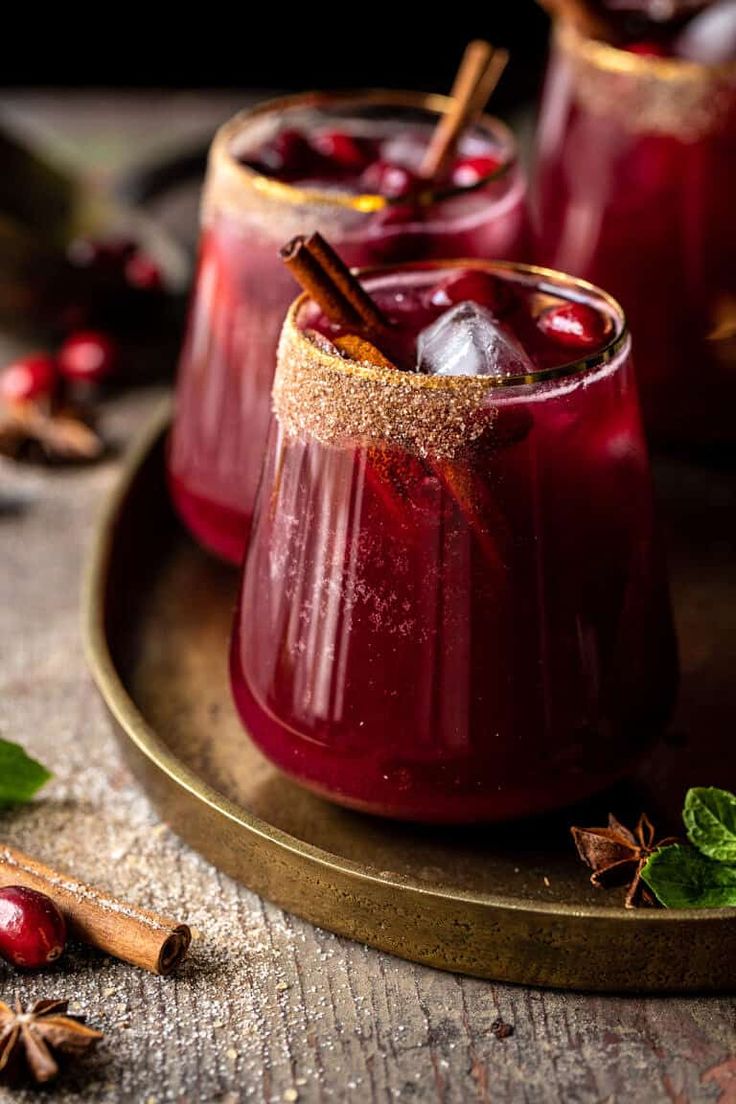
(454, 606)
(242, 292)
(635, 179)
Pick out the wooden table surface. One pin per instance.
(267, 1008)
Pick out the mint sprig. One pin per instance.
(682, 877)
(710, 819)
(20, 776)
(702, 876)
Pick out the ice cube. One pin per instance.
(466, 341)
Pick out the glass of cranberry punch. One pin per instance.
(453, 607)
(343, 164)
(635, 190)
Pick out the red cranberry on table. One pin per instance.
(574, 324)
(87, 357)
(109, 253)
(28, 379)
(32, 930)
(471, 170)
(142, 272)
(392, 181)
(475, 286)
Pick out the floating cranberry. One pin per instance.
(392, 181)
(574, 324)
(475, 286)
(87, 357)
(471, 170)
(345, 150)
(32, 930)
(648, 49)
(29, 378)
(288, 152)
(142, 272)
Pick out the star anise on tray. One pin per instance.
(62, 434)
(31, 1037)
(617, 855)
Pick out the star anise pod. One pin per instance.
(59, 434)
(36, 1034)
(615, 854)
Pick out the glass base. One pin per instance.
(217, 528)
(448, 791)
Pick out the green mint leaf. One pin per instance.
(20, 776)
(680, 877)
(710, 819)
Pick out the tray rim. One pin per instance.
(137, 730)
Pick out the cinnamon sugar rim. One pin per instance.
(614, 59)
(221, 157)
(319, 395)
(549, 280)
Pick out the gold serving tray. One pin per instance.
(508, 902)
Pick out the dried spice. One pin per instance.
(63, 434)
(502, 1030)
(31, 1038)
(617, 855)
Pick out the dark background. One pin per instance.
(193, 46)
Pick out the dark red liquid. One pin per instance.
(482, 637)
(640, 200)
(242, 291)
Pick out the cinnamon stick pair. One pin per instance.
(316, 266)
(479, 73)
(116, 927)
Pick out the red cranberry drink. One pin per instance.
(453, 606)
(343, 164)
(635, 188)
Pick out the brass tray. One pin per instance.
(511, 903)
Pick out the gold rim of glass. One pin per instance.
(555, 281)
(613, 59)
(221, 154)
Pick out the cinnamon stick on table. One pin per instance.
(120, 929)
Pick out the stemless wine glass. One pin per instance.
(635, 187)
(242, 291)
(453, 605)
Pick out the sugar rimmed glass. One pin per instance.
(454, 606)
(633, 189)
(242, 291)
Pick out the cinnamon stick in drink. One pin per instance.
(316, 266)
(479, 73)
(116, 927)
(329, 282)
